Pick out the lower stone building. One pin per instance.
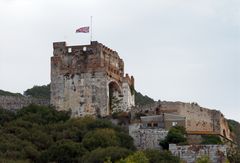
(152, 129)
(198, 120)
(190, 153)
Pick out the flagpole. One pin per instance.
(91, 30)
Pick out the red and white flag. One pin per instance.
(83, 30)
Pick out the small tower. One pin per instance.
(89, 80)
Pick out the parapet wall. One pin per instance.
(18, 102)
(190, 153)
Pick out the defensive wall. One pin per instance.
(18, 102)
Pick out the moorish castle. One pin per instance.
(90, 80)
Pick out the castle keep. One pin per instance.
(89, 80)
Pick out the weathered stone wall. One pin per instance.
(18, 102)
(88, 79)
(146, 138)
(190, 153)
(199, 120)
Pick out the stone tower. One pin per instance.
(89, 80)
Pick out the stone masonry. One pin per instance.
(199, 120)
(145, 138)
(18, 102)
(190, 153)
(89, 80)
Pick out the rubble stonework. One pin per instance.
(89, 80)
(18, 102)
(145, 138)
(190, 153)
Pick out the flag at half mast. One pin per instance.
(83, 30)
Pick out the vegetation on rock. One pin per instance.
(141, 100)
(234, 127)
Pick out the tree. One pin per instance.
(137, 157)
(176, 135)
(125, 141)
(39, 91)
(161, 156)
(42, 134)
(100, 155)
(6, 116)
(42, 114)
(100, 138)
(64, 151)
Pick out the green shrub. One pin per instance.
(203, 159)
(156, 156)
(137, 157)
(63, 151)
(100, 155)
(211, 139)
(100, 138)
(176, 135)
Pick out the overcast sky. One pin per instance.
(177, 50)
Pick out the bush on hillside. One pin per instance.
(112, 154)
(161, 156)
(42, 134)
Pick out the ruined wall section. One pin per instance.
(197, 118)
(18, 102)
